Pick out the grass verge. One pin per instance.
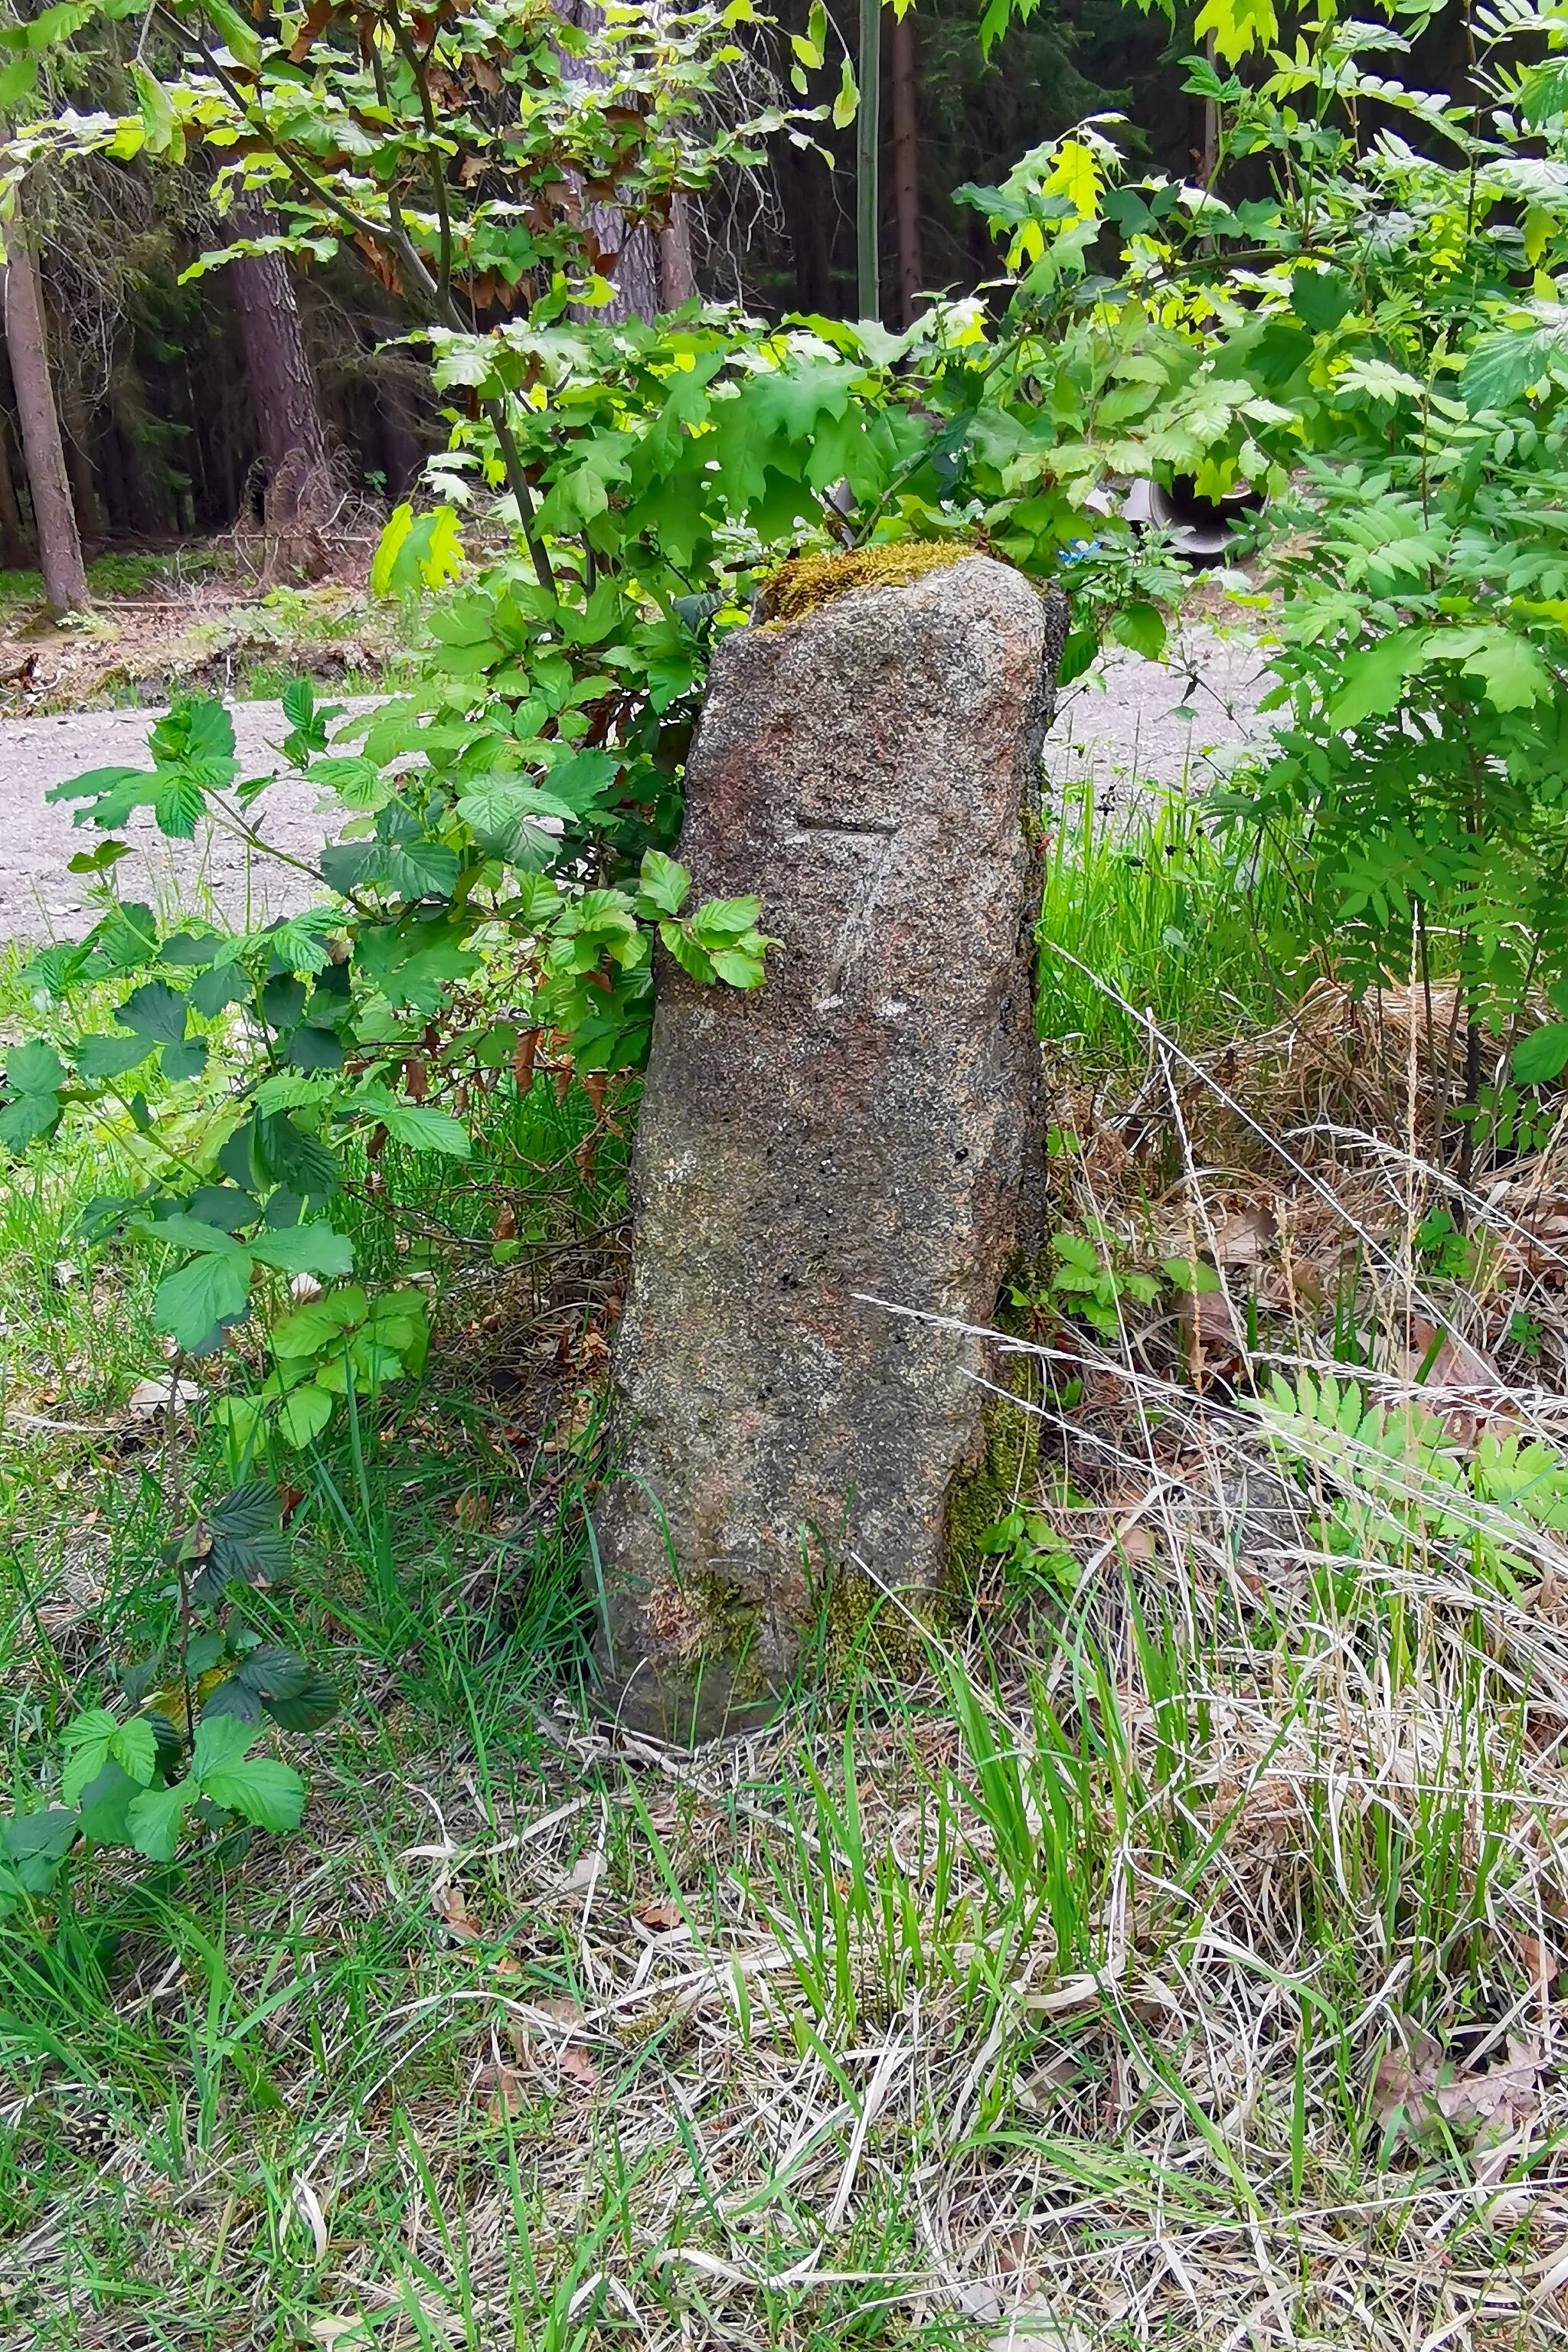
(1174, 1959)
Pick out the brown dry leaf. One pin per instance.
(1459, 1365)
(1247, 1238)
(150, 1398)
(1214, 1340)
(1541, 1965)
(576, 2066)
(504, 2090)
(1417, 2093)
(451, 1909)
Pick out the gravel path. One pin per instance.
(1130, 735)
(1155, 724)
(39, 899)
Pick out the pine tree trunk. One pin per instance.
(295, 456)
(75, 433)
(13, 538)
(60, 543)
(906, 163)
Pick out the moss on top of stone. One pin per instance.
(809, 581)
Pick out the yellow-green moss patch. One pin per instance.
(808, 582)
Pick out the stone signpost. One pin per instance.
(861, 1134)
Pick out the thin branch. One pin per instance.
(437, 177)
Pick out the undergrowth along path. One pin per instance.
(40, 899)
(1153, 726)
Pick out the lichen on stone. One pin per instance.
(806, 583)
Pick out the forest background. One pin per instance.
(182, 399)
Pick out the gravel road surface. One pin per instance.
(1130, 735)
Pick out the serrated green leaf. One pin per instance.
(244, 1510)
(134, 1749)
(187, 1060)
(1141, 628)
(313, 1248)
(219, 1746)
(1542, 1055)
(156, 1011)
(319, 1323)
(191, 1303)
(260, 1789)
(99, 1059)
(34, 1068)
(86, 1741)
(417, 1125)
(304, 1414)
(26, 1118)
(225, 983)
(153, 1820)
(179, 804)
(1374, 677)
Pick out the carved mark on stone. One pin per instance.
(877, 837)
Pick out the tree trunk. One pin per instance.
(632, 261)
(13, 538)
(807, 194)
(677, 278)
(144, 484)
(868, 159)
(633, 269)
(76, 435)
(295, 456)
(60, 543)
(906, 163)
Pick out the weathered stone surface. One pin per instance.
(865, 1127)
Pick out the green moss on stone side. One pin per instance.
(1004, 1474)
(806, 583)
(859, 1619)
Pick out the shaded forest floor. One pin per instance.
(197, 620)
